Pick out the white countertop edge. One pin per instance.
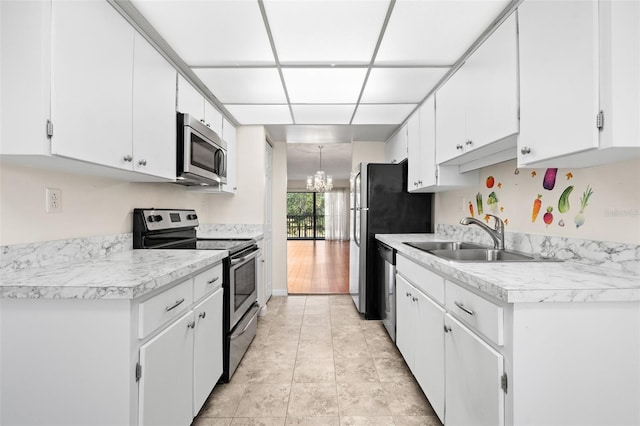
(565, 281)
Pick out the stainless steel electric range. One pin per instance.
(176, 229)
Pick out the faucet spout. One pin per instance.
(496, 233)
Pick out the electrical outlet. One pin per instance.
(53, 200)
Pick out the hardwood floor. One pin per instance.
(318, 267)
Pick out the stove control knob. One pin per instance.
(192, 217)
(155, 218)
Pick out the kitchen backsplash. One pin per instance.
(618, 256)
(598, 203)
(224, 230)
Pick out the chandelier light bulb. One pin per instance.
(320, 181)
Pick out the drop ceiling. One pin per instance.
(320, 71)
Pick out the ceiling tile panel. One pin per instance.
(383, 113)
(324, 85)
(400, 85)
(244, 85)
(435, 32)
(221, 32)
(325, 32)
(322, 114)
(260, 114)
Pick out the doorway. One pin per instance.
(305, 216)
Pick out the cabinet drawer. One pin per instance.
(429, 282)
(165, 306)
(207, 281)
(479, 313)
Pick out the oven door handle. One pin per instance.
(242, 259)
(246, 327)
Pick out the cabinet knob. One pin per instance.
(128, 158)
(208, 124)
(408, 294)
(419, 182)
(459, 147)
(202, 120)
(202, 315)
(525, 150)
(191, 324)
(447, 329)
(469, 142)
(415, 299)
(142, 162)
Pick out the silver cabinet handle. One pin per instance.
(461, 306)
(213, 280)
(175, 305)
(469, 142)
(415, 299)
(459, 147)
(202, 120)
(202, 315)
(191, 324)
(525, 150)
(447, 329)
(142, 162)
(419, 182)
(208, 124)
(408, 294)
(128, 158)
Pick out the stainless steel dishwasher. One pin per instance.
(387, 274)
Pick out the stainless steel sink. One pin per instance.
(487, 255)
(443, 245)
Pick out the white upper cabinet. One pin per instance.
(477, 108)
(424, 174)
(154, 112)
(395, 150)
(229, 136)
(92, 82)
(414, 176)
(212, 118)
(578, 59)
(190, 101)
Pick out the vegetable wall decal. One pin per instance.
(563, 202)
(471, 209)
(584, 200)
(549, 180)
(548, 216)
(479, 203)
(537, 203)
(492, 201)
(569, 175)
(490, 182)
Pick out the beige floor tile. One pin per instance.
(346, 331)
(313, 421)
(407, 399)
(313, 370)
(393, 370)
(272, 350)
(315, 333)
(264, 421)
(211, 421)
(341, 299)
(317, 310)
(362, 399)
(382, 347)
(264, 400)
(315, 349)
(416, 421)
(270, 371)
(224, 400)
(313, 399)
(285, 331)
(366, 421)
(316, 320)
(319, 300)
(354, 370)
(353, 347)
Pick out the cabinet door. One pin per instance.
(492, 98)
(451, 117)
(260, 282)
(166, 385)
(213, 118)
(427, 144)
(429, 363)
(92, 78)
(404, 319)
(189, 100)
(395, 149)
(207, 348)
(229, 136)
(558, 48)
(473, 378)
(154, 112)
(413, 152)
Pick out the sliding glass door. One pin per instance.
(305, 216)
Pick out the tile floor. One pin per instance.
(315, 362)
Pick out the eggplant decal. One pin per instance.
(549, 180)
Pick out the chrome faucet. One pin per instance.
(496, 233)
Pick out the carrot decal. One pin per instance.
(537, 203)
(471, 209)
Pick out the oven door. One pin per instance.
(243, 289)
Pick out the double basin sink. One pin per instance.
(458, 251)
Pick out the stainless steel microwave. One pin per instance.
(201, 154)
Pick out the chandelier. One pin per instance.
(320, 182)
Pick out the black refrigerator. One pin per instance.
(380, 204)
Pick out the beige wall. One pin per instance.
(371, 152)
(279, 209)
(612, 214)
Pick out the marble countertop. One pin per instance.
(124, 275)
(515, 282)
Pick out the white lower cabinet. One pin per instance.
(167, 374)
(473, 378)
